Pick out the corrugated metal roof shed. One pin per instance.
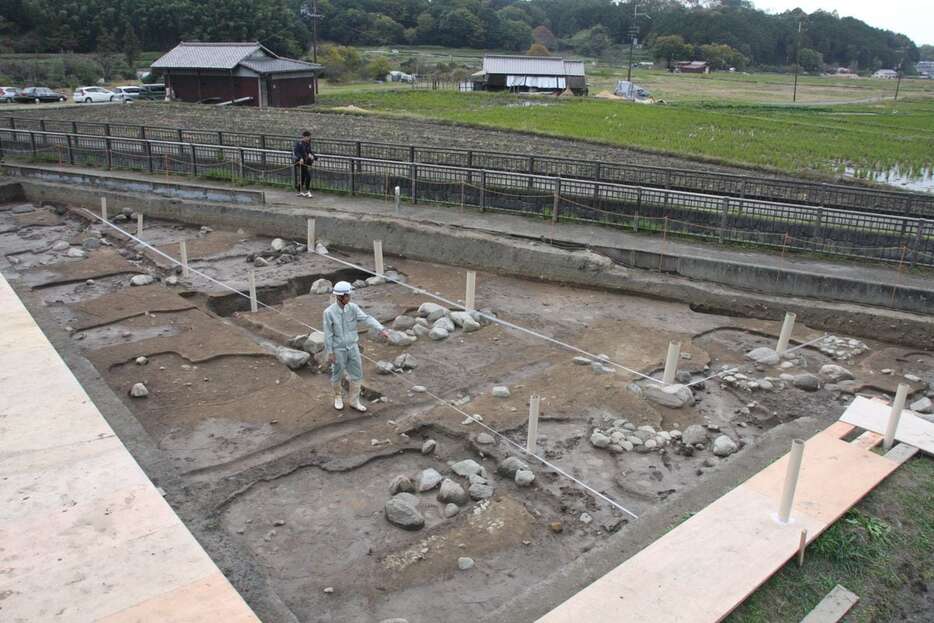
(197, 55)
(278, 65)
(532, 66)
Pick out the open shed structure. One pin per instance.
(525, 74)
(248, 73)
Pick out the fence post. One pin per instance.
(413, 171)
(531, 171)
(358, 150)
(32, 141)
(106, 129)
(71, 152)
(411, 153)
(353, 177)
(916, 243)
(597, 171)
(149, 155)
(74, 127)
(724, 217)
(142, 132)
(639, 198)
(110, 155)
(667, 180)
(818, 220)
(469, 158)
(483, 191)
(42, 125)
(635, 222)
(12, 123)
(180, 139)
(742, 190)
(220, 138)
(242, 163)
(194, 161)
(596, 196)
(554, 209)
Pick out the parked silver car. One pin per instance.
(129, 93)
(7, 94)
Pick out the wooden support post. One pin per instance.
(149, 155)
(139, 224)
(671, 363)
(110, 154)
(483, 191)
(397, 204)
(535, 402)
(310, 235)
(378, 256)
(104, 208)
(353, 178)
(194, 161)
(557, 203)
(791, 480)
(801, 547)
(242, 162)
(470, 299)
(787, 327)
(897, 406)
(71, 151)
(254, 304)
(183, 257)
(724, 218)
(413, 172)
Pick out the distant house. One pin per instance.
(885, 74)
(925, 68)
(530, 74)
(692, 67)
(248, 73)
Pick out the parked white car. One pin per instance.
(87, 95)
(7, 94)
(129, 93)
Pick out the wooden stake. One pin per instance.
(254, 305)
(470, 299)
(787, 327)
(378, 256)
(183, 256)
(139, 224)
(311, 235)
(104, 208)
(535, 402)
(398, 199)
(897, 406)
(671, 362)
(791, 480)
(803, 544)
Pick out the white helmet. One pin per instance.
(342, 287)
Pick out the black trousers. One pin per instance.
(303, 176)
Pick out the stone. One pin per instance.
(451, 510)
(397, 338)
(451, 492)
(500, 391)
(428, 479)
(524, 477)
(651, 444)
(25, 208)
(321, 286)
(912, 378)
(764, 355)
(432, 311)
(384, 367)
(438, 334)
(556, 527)
(375, 280)
(420, 331)
(671, 396)
(120, 218)
(599, 440)
(313, 344)
(139, 391)
(76, 252)
(509, 466)
(808, 382)
(465, 321)
(403, 323)
(292, 358)
(835, 373)
(923, 405)
(400, 511)
(277, 244)
(586, 518)
(694, 434)
(406, 362)
(683, 377)
(401, 484)
(582, 361)
(478, 479)
(724, 446)
(89, 244)
(468, 468)
(674, 433)
(60, 245)
(418, 389)
(141, 361)
(766, 385)
(359, 284)
(478, 491)
(464, 563)
(141, 280)
(444, 323)
(626, 446)
(429, 446)
(171, 280)
(485, 439)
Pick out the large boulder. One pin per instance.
(694, 434)
(479, 491)
(398, 338)
(468, 468)
(401, 511)
(444, 323)
(764, 355)
(292, 358)
(724, 446)
(671, 396)
(438, 334)
(808, 382)
(834, 373)
(451, 492)
(432, 311)
(428, 480)
(465, 321)
(321, 286)
(403, 323)
(313, 344)
(509, 466)
(922, 405)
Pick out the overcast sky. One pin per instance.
(914, 18)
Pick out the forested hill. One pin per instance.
(585, 26)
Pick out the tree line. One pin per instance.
(732, 32)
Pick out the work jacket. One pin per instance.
(340, 325)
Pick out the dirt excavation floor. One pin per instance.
(297, 498)
(359, 127)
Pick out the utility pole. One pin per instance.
(898, 72)
(794, 96)
(315, 16)
(633, 33)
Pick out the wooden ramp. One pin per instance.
(873, 414)
(702, 569)
(84, 534)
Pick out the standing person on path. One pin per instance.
(340, 344)
(303, 158)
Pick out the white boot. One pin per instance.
(355, 398)
(338, 397)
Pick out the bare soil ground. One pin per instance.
(362, 128)
(298, 489)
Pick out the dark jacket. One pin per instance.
(302, 152)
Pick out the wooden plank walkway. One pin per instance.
(705, 567)
(873, 415)
(84, 534)
(833, 607)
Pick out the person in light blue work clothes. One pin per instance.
(340, 344)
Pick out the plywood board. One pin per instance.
(701, 570)
(831, 609)
(873, 415)
(85, 535)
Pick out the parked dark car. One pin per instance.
(153, 91)
(39, 94)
